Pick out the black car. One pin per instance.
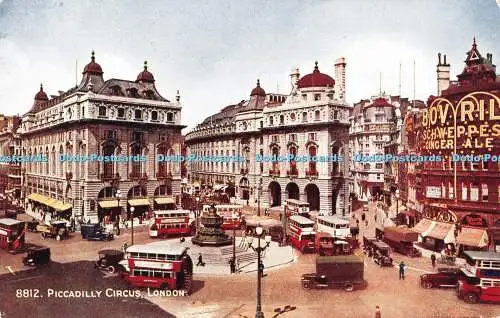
(445, 277)
(37, 255)
(109, 261)
(95, 232)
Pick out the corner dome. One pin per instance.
(41, 95)
(92, 67)
(145, 76)
(316, 79)
(258, 91)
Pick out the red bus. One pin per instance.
(294, 207)
(158, 265)
(232, 215)
(170, 222)
(12, 234)
(300, 233)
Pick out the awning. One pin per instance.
(36, 197)
(50, 202)
(10, 191)
(472, 237)
(60, 206)
(424, 226)
(443, 231)
(138, 202)
(218, 187)
(164, 200)
(108, 204)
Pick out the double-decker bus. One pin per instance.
(300, 233)
(482, 282)
(170, 222)
(296, 207)
(338, 228)
(158, 265)
(232, 215)
(12, 234)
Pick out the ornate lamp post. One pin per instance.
(259, 230)
(259, 193)
(197, 213)
(397, 202)
(132, 209)
(118, 196)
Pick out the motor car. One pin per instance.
(108, 261)
(95, 232)
(37, 255)
(445, 277)
(56, 229)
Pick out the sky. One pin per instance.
(214, 51)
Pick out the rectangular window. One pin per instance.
(317, 96)
(138, 114)
(474, 193)
(304, 96)
(154, 115)
(379, 176)
(292, 137)
(312, 136)
(451, 190)
(121, 113)
(275, 138)
(464, 192)
(484, 192)
(102, 111)
(379, 166)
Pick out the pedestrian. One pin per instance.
(402, 267)
(377, 312)
(117, 225)
(200, 260)
(433, 260)
(357, 222)
(363, 216)
(375, 217)
(125, 245)
(366, 223)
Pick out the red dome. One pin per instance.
(316, 79)
(381, 102)
(145, 76)
(41, 96)
(259, 91)
(93, 67)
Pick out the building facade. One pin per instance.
(311, 122)
(97, 138)
(10, 176)
(461, 192)
(375, 124)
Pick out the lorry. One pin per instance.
(342, 271)
(401, 239)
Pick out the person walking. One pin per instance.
(433, 260)
(200, 260)
(377, 312)
(402, 268)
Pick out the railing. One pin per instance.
(274, 172)
(137, 175)
(109, 176)
(292, 173)
(311, 173)
(244, 171)
(164, 175)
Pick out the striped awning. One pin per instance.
(108, 204)
(165, 200)
(424, 226)
(138, 202)
(472, 237)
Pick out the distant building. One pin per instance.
(126, 124)
(10, 174)
(312, 121)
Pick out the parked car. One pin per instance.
(95, 232)
(56, 229)
(108, 261)
(445, 277)
(30, 221)
(382, 254)
(37, 255)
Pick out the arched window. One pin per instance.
(108, 170)
(304, 117)
(170, 117)
(102, 111)
(312, 164)
(317, 115)
(271, 121)
(282, 120)
(138, 114)
(136, 165)
(276, 167)
(154, 115)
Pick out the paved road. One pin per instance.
(227, 296)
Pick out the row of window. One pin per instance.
(333, 226)
(152, 256)
(138, 114)
(317, 97)
(317, 117)
(151, 273)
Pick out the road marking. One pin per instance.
(10, 270)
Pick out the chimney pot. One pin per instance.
(439, 59)
(444, 59)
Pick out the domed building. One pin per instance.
(123, 125)
(310, 122)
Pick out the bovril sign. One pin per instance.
(472, 123)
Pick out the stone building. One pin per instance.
(311, 122)
(10, 176)
(113, 130)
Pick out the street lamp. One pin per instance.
(197, 213)
(118, 196)
(397, 202)
(234, 241)
(259, 192)
(132, 209)
(259, 230)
